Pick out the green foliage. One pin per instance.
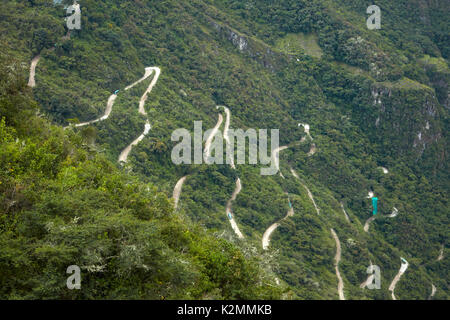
(64, 200)
(62, 204)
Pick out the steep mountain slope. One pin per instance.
(371, 99)
(64, 204)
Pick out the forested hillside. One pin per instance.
(361, 112)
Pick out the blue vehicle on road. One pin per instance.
(230, 216)
(116, 92)
(375, 206)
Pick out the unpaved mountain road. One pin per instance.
(385, 171)
(345, 213)
(108, 110)
(368, 221)
(394, 213)
(207, 151)
(34, 62)
(310, 195)
(177, 191)
(307, 129)
(149, 88)
(123, 157)
(336, 239)
(267, 234)
(276, 158)
(112, 98)
(337, 259)
(233, 223)
(394, 282)
(404, 264)
(441, 254)
(225, 132)
(367, 282)
(147, 73)
(367, 224)
(433, 292)
(238, 188)
(313, 150)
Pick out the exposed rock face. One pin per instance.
(359, 52)
(440, 81)
(405, 118)
(255, 49)
(238, 41)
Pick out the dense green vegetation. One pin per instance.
(64, 204)
(372, 99)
